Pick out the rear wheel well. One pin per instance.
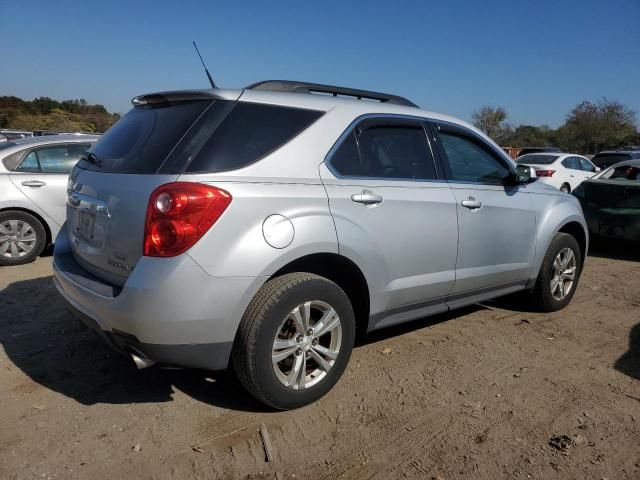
(344, 273)
(576, 231)
(38, 217)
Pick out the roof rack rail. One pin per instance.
(306, 87)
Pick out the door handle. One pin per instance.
(472, 203)
(367, 197)
(34, 183)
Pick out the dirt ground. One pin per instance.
(477, 393)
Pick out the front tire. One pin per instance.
(22, 238)
(559, 274)
(294, 340)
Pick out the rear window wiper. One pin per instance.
(93, 159)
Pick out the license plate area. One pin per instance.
(88, 218)
(86, 225)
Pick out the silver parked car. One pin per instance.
(264, 227)
(33, 192)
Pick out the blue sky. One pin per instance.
(535, 58)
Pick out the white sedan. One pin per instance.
(565, 171)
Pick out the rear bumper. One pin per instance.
(169, 310)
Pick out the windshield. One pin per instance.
(622, 173)
(535, 159)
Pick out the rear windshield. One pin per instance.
(537, 159)
(7, 144)
(606, 159)
(141, 140)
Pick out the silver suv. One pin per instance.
(265, 227)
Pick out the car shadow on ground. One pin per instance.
(614, 249)
(629, 362)
(54, 349)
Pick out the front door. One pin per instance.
(394, 216)
(497, 223)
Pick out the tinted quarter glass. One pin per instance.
(60, 158)
(586, 165)
(29, 163)
(248, 133)
(11, 161)
(141, 140)
(572, 162)
(346, 159)
(470, 162)
(400, 152)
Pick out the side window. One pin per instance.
(586, 165)
(29, 163)
(572, 163)
(470, 162)
(346, 159)
(397, 151)
(60, 158)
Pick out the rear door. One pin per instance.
(496, 223)
(574, 171)
(42, 176)
(394, 215)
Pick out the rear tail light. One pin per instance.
(179, 214)
(545, 173)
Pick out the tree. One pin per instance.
(491, 120)
(591, 127)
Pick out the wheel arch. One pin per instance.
(577, 231)
(342, 271)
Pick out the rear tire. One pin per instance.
(22, 238)
(284, 360)
(559, 274)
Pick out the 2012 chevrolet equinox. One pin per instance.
(263, 227)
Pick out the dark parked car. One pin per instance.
(528, 150)
(611, 201)
(610, 157)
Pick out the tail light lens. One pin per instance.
(545, 173)
(179, 214)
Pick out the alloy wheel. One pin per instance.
(563, 274)
(307, 345)
(17, 238)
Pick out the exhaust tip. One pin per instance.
(140, 361)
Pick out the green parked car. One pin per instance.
(611, 201)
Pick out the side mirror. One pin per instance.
(524, 174)
(598, 169)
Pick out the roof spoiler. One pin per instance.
(167, 97)
(306, 87)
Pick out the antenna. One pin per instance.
(213, 85)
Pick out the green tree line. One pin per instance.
(588, 128)
(45, 113)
